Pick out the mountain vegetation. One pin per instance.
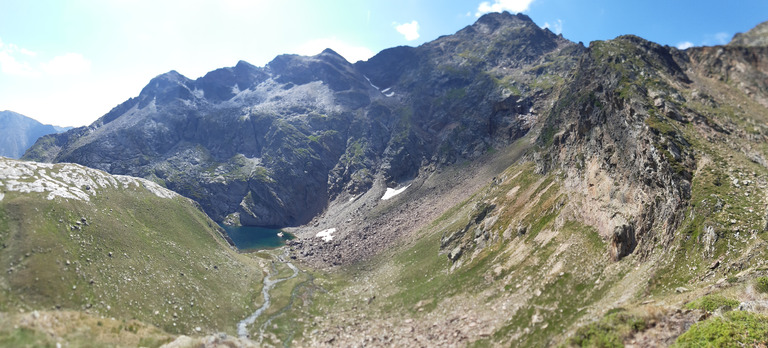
(501, 186)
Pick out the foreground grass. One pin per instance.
(76, 329)
(610, 331)
(733, 329)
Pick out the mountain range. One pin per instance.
(499, 186)
(304, 130)
(18, 133)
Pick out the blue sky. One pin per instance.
(69, 62)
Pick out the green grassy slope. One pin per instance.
(132, 250)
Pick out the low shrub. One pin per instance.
(734, 329)
(711, 303)
(610, 331)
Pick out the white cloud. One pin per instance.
(27, 52)
(684, 45)
(11, 65)
(409, 30)
(722, 38)
(67, 64)
(19, 61)
(556, 28)
(514, 6)
(350, 52)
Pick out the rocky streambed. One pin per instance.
(269, 283)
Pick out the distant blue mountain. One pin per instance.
(19, 132)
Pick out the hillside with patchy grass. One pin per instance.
(642, 195)
(103, 246)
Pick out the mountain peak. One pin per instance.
(241, 64)
(331, 56)
(166, 87)
(172, 75)
(219, 85)
(757, 36)
(329, 51)
(508, 25)
(498, 19)
(504, 16)
(9, 113)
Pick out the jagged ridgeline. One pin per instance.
(273, 145)
(549, 184)
(78, 239)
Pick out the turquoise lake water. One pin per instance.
(256, 238)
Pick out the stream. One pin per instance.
(242, 326)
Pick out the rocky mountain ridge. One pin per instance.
(304, 130)
(755, 37)
(305, 134)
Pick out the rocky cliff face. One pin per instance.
(614, 134)
(631, 133)
(273, 145)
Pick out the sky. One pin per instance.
(68, 63)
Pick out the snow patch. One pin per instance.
(372, 85)
(326, 235)
(387, 92)
(2, 195)
(393, 192)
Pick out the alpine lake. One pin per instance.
(251, 238)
